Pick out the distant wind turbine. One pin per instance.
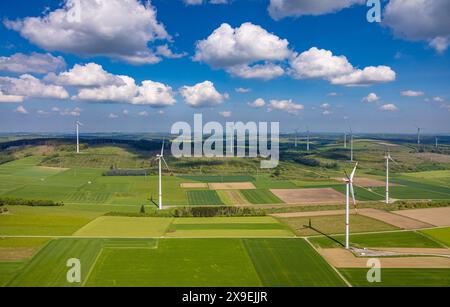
(296, 137)
(349, 184)
(307, 139)
(419, 132)
(345, 140)
(78, 124)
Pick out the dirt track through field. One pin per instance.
(434, 216)
(416, 251)
(341, 258)
(394, 219)
(232, 186)
(309, 196)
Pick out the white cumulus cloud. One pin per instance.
(372, 97)
(31, 87)
(150, 93)
(202, 95)
(199, 2)
(367, 76)
(10, 98)
(242, 90)
(389, 107)
(410, 93)
(34, 63)
(258, 103)
(267, 71)
(279, 9)
(236, 49)
(322, 64)
(21, 110)
(288, 106)
(121, 29)
(71, 112)
(87, 75)
(420, 20)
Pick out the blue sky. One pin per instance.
(412, 88)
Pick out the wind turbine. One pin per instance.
(78, 124)
(161, 159)
(419, 131)
(307, 139)
(437, 142)
(296, 138)
(345, 140)
(349, 183)
(388, 158)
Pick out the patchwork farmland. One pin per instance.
(223, 229)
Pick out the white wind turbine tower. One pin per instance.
(419, 131)
(345, 140)
(161, 159)
(349, 183)
(78, 124)
(296, 138)
(307, 139)
(388, 159)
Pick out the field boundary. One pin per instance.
(336, 270)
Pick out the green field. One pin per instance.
(48, 267)
(127, 227)
(186, 262)
(84, 183)
(8, 270)
(228, 227)
(25, 221)
(220, 251)
(388, 239)
(290, 263)
(204, 198)
(400, 277)
(440, 234)
(175, 263)
(260, 197)
(220, 179)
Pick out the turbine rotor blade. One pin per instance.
(352, 191)
(353, 173)
(353, 196)
(162, 149)
(167, 166)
